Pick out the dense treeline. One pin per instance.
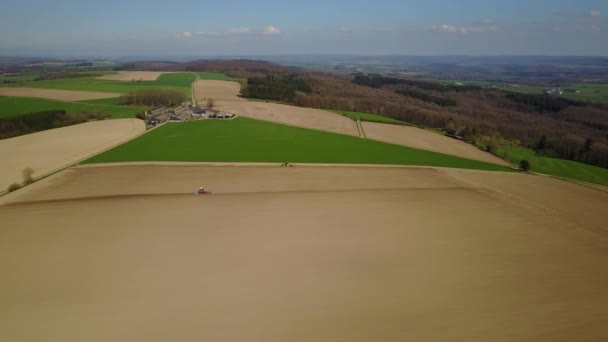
(60, 75)
(544, 102)
(427, 98)
(573, 148)
(377, 81)
(277, 87)
(153, 97)
(40, 121)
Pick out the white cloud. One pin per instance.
(271, 31)
(447, 29)
(267, 31)
(570, 15)
(578, 21)
(485, 25)
(184, 35)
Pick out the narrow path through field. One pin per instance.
(360, 126)
(194, 102)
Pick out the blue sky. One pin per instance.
(262, 27)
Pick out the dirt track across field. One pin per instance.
(226, 98)
(129, 76)
(50, 150)
(55, 94)
(303, 254)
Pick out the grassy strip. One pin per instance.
(112, 101)
(554, 166)
(14, 106)
(248, 140)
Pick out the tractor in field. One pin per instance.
(202, 191)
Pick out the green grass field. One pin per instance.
(248, 140)
(25, 77)
(554, 166)
(12, 106)
(370, 117)
(589, 92)
(178, 82)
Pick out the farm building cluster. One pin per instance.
(185, 111)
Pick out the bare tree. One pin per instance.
(27, 175)
(210, 103)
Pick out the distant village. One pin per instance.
(552, 91)
(184, 112)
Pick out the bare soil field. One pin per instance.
(129, 76)
(425, 140)
(225, 94)
(291, 115)
(303, 254)
(50, 150)
(55, 94)
(217, 90)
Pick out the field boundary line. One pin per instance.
(598, 187)
(274, 165)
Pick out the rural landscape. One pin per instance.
(236, 195)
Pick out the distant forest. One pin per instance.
(276, 87)
(544, 102)
(377, 81)
(428, 98)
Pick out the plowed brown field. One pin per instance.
(311, 253)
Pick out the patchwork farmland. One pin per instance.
(365, 229)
